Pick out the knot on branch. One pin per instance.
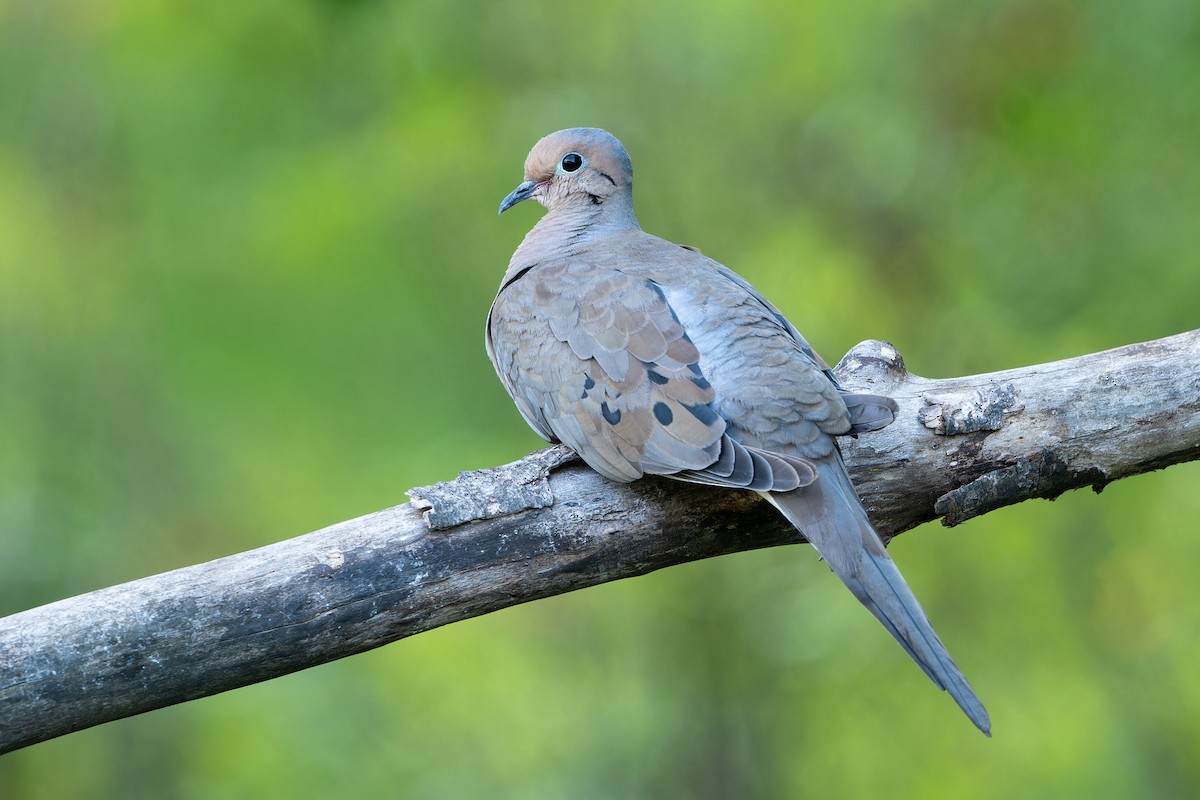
(872, 364)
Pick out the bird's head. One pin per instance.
(575, 167)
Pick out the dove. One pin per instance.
(648, 358)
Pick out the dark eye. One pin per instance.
(571, 162)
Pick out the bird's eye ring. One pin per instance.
(571, 162)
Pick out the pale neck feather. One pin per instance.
(570, 226)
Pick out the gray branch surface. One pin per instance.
(546, 524)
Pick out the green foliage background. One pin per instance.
(246, 251)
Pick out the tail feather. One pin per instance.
(832, 518)
(869, 412)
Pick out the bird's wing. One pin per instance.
(867, 412)
(596, 357)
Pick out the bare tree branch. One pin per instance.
(546, 525)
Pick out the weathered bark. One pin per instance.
(546, 525)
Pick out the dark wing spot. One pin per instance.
(703, 412)
(610, 416)
(702, 383)
(695, 368)
(656, 377)
(588, 383)
(663, 414)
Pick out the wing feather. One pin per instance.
(598, 359)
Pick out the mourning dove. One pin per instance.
(646, 357)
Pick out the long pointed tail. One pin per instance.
(830, 515)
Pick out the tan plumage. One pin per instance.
(648, 357)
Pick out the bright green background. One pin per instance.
(246, 250)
